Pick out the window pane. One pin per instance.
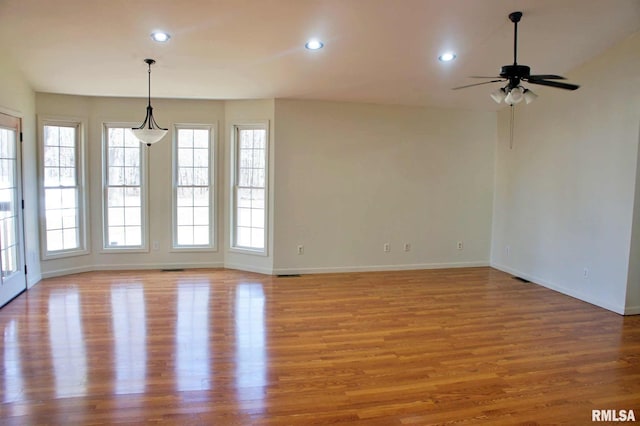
(132, 176)
(69, 218)
(116, 235)
(132, 197)
(257, 238)
(67, 176)
(258, 178)
(257, 218)
(201, 235)
(257, 198)
(201, 138)
(201, 158)
(201, 197)
(132, 216)
(54, 240)
(185, 138)
(185, 176)
(115, 197)
(116, 157)
(51, 176)
(116, 216)
(185, 196)
(200, 176)
(51, 156)
(53, 219)
(185, 235)
(116, 176)
(67, 157)
(244, 217)
(258, 158)
(185, 216)
(201, 216)
(70, 238)
(243, 238)
(244, 197)
(133, 236)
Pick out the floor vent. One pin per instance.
(288, 275)
(521, 279)
(172, 270)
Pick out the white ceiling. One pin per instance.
(378, 51)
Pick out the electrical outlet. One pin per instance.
(460, 245)
(407, 247)
(155, 245)
(386, 247)
(300, 249)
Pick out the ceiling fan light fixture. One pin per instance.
(529, 96)
(514, 96)
(149, 131)
(498, 95)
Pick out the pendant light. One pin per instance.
(149, 132)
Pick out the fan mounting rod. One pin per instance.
(515, 18)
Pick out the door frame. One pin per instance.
(22, 251)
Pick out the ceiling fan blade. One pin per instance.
(547, 77)
(484, 76)
(476, 84)
(556, 84)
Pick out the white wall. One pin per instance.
(350, 177)
(96, 111)
(565, 192)
(18, 99)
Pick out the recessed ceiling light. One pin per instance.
(314, 44)
(160, 36)
(447, 57)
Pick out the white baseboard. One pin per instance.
(376, 268)
(249, 268)
(124, 267)
(632, 310)
(564, 290)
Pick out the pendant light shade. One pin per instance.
(515, 96)
(149, 132)
(529, 96)
(498, 95)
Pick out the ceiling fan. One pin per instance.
(514, 74)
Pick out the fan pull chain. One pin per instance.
(513, 117)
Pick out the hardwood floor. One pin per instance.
(233, 348)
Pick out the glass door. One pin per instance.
(13, 280)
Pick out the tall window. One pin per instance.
(124, 198)
(250, 186)
(62, 187)
(193, 188)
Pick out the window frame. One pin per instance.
(80, 124)
(235, 158)
(213, 193)
(144, 193)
